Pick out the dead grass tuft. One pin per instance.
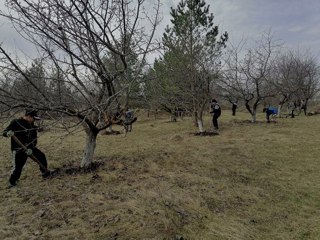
(176, 137)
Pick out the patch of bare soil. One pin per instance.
(206, 133)
(113, 132)
(70, 170)
(317, 112)
(247, 122)
(75, 170)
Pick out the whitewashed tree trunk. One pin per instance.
(279, 110)
(254, 117)
(200, 125)
(89, 149)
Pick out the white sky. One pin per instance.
(296, 22)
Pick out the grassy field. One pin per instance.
(253, 181)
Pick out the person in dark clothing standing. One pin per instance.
(216, 112)
(234, 104)
(291, 108)
(128, 118)
(303, 106)
(234, 107)
(26, 131)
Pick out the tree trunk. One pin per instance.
(252, 112)
(89, 149)
(200, 125)
(195, 117)
(254, 116)
(279, 110)
(199, 119)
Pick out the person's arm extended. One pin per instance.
(8, 132)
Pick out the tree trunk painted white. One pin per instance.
(254, 117)
(200, 125)
(89, 149)
(279, 111)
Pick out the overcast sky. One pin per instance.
(296, 22)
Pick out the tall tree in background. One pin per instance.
(193, 40)
(36, 73)
(165, 84)
(131, 81)
(75, 37)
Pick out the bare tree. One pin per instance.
(284, 78)
(296, 77)
(249, 77)
(308, 77)
(74, 38)
(230, 85)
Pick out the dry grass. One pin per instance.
(253, 181)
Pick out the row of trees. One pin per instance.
(269, 74)
(93, 59)
(197, 65)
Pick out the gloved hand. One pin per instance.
(29, 151)
(10, 133)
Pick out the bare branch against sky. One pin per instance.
(294, 21)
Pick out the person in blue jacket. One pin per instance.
(270, 111)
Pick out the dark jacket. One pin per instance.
(215, 110)
(24, 131)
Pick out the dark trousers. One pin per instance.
(234, 108)
(268, 117)
(305, 111)
(19, 160)
(215, 122)
(292, 113)
(233, 111)
(128, 127)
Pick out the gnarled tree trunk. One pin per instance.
(90, 146)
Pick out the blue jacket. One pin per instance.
(271, 110)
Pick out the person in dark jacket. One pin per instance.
(234, 107)
(216, 112)
(128, 118)
(291, 108)
(26, 131)
(303, 106)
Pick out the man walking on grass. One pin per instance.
(25, 131)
